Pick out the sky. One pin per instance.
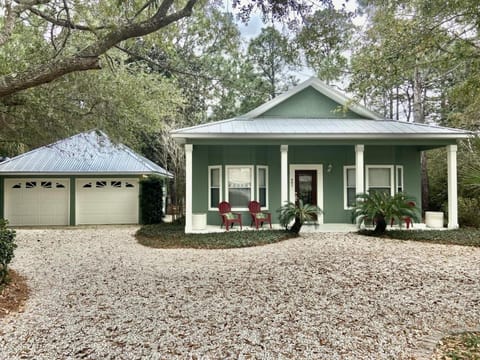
(255, 24)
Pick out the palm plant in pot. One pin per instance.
(380, 207)
(299, 213)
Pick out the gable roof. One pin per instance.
(90, 152)
(323, 89)
(372, 126)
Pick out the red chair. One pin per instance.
(407, 219)
(258, 217)
(228, 217)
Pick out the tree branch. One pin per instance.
(89, 57)
(64, 23)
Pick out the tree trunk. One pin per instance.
(380, 224)
(297, 225)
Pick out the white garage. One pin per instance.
(84, 179)
(107, 201)
(37, 201)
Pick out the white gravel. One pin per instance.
(97, 294)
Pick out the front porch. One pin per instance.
(311, 228)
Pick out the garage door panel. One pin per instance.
(107, 201)
(27, 202)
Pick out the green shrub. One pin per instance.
(300, 213)
(7, 246)
(469, 212)
(381, 207)
(151, 200)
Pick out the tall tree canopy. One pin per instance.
(80, 33)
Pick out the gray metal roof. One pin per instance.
(86, 153)
(317, 128)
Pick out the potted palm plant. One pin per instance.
(299, 213)
(380, 207)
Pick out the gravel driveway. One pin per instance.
(97, 294)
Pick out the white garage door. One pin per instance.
(107, 201)
(37, 201)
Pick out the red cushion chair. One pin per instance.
(407, 219)
(258, 217)
(228, 217)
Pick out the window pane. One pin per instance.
(379, 189)
(351, 177)
(261, 177)
(215, 177)
(262, 194)
(379, 177)
(399, 179)
(239, 186)
(239, 197)
(239, 178)
(351, 197)
(214, 197)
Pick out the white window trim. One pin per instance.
(345, 197)
(259, 167)
(210, 168)
(392, 176)
(252, 182)
(399, 169)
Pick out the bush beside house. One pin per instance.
(151, 200)
(7, 246)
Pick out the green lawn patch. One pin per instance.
(465, 345)
(464, 236)
(170, 236)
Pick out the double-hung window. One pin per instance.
(349, 186)
(239, 181)
(214, 186)
(380, 178)
(262, 186)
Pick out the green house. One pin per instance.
(312, 143)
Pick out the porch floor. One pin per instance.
(308, 228)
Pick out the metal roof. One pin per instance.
(90, 152)
(371, 126)
(317, 128)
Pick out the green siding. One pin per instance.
(309, 103)
(73, 199)
(333, 192)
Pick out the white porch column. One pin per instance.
(359, 169)
(452, 187)
(188, 187)
(284, 174)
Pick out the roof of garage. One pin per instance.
(89, 153)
